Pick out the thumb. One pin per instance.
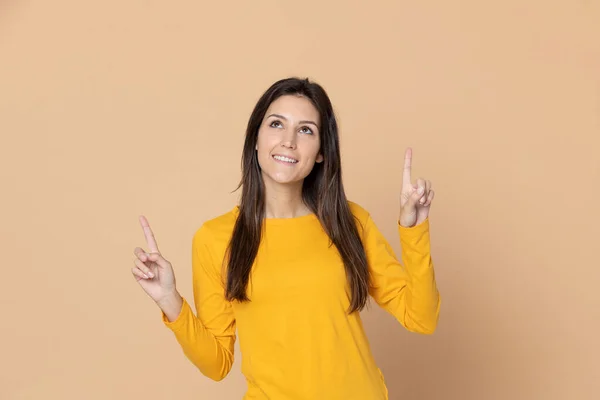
(413, 199)
(158, 259)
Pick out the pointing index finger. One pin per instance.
(153, 247)
(406, 176)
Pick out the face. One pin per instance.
(289, 141)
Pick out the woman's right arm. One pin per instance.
(208, 338)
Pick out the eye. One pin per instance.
(307, 130)
(275, 124)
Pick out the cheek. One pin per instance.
(265, 140)
(264, 145)
(313, 150)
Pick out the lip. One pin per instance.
(283, 162)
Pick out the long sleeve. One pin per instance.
(409, 291)
(207, 339)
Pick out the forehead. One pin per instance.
(294, 107)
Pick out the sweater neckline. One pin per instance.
(283, 221)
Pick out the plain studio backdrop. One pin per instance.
(113, 109)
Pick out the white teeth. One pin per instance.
(289, 160)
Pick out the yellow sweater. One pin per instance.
(296, 338)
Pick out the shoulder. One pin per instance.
(360, 213)
(357, 209)
(217, 229)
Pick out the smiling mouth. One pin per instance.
(286, 160)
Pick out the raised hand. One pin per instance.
(415, 199)
(152, 271)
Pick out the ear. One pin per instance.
(319, 158)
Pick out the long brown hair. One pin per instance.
(322, 192)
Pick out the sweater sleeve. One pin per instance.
(408, 292)
(207, 339)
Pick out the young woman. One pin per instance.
(291, 266)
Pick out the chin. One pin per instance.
(284, 180)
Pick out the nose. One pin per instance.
(289, 139)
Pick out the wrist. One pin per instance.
(170, 300)
(403, 223)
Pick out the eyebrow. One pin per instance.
(300, 122)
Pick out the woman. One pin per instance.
(294, 263)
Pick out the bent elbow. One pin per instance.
(217, 374)
(426, 325)
(427, 330)
(216, 367)
(429, 326)
(421, 327)
(217, 377)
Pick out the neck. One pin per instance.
(284, 200)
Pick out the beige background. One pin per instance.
(116, 108)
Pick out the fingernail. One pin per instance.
(420, 191)
(150, 274)
(145, 276)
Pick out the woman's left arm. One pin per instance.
(409, 291)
